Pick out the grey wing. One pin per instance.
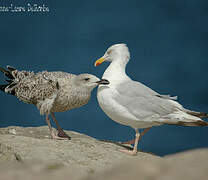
(36, 88)
(143, 102)
(140, 89)
(134, 88)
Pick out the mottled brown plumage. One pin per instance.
(51, 91)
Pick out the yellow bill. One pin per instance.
(99, 61)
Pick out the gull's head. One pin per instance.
(116, 52)
(89, 81)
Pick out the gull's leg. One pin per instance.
(129, 142)
(145, 130)
(53, 136)
(61, 132)
(133, 140)
(134, 151)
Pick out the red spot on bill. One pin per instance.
(97, 63)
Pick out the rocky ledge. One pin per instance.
(29, 153)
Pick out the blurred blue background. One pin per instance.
(168, 42)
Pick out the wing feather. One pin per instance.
(143, 102)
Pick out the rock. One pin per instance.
(36, 170)
(190, 165)
(29, 153)
(83, 153)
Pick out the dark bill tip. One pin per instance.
(103, 81)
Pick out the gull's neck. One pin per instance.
(116, 70)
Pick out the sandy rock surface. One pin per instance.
(30, 153)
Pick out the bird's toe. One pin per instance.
(129, 152)
(63, 135)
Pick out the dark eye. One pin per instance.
(86, 79)
(109, 51)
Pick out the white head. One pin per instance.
(116, 52)
(89, 81)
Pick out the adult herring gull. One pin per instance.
(133, 104)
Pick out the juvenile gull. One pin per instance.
(51, 91)
(133, 104)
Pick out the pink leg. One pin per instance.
(134, 152)
(53, 136)
(145, 130)
(133, 140)
(129, 142)
(61, 133)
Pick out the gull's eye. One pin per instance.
(86, 79)
(109, 51)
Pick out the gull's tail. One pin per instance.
(187, 118)
(10, 81)
(14, 77)
(197, 114)
(193, 123)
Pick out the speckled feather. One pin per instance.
(49, 91)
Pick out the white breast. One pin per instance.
(112, 108)
(117, 112)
